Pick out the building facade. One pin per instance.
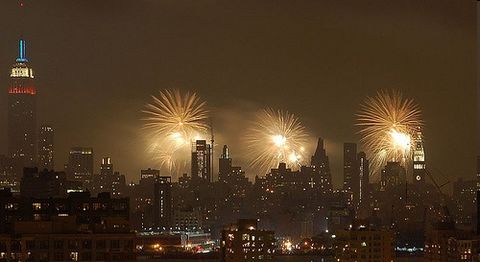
(419, 165)
(22, 113)
(45, 147)
(80, 165)
(163, 203)
(201, 157)
(321, 164)
(243, 241)
(363, 243)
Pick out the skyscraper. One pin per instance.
(201, 167)
(350, 166)
(22, 113)
(224, 164)
(418, 159)
(364, 173)
(103, 181)
(162, 202)
(392, 175)
(80, 165)
(321, 163)
(108, 180)
(106, 167)
(478, 172)
(45, 147)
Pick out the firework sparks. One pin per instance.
(173, 120)
(388, 122)
(276, 136)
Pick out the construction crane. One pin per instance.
(448, 220)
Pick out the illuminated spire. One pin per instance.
(22, 54)
(225, 154)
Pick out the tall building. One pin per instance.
(147, 176)
(162, 203)
(80, 165)
(419, 167)
(22, 112)
(106, 167)
(478, 172)
(364, 176)
(351, 180)
(142, 196)
(224, 164)
(45, 147)
(321, 164)
(201, 165)
(108, 180)
(392, 176)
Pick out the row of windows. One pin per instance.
(69, 244)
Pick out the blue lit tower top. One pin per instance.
(21, 69)
(22, 54)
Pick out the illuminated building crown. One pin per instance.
(20, 68)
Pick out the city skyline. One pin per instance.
(86, 99)
(239, 131)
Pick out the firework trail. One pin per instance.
(388, 122)
(173, 121)
(275, 136)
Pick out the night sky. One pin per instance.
(98, 62)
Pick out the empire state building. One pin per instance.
(22, 112)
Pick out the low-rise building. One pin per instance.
(243, 241)
(363, 243)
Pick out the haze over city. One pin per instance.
(98, 63)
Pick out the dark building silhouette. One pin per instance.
(22, 113)
(149, 174)
(349, 165)
(147, 178)
(351, 179)
(321, 164)
(224, 164)
(450, 244)
(392, 176)
(142, 199)
(163, 202)
(108, 180)
(364, 176)
(43, 184)
(464, 196)
(234, 176)
(87, 209)
(106, 167)
(187, 219)
(478, 172)
(74, 228)
(478, 213)
(201, 165)
(7, 173)
(45, 147)
(80, 165)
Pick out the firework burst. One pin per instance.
(388, 123)
(173, 120)
(275, 136)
